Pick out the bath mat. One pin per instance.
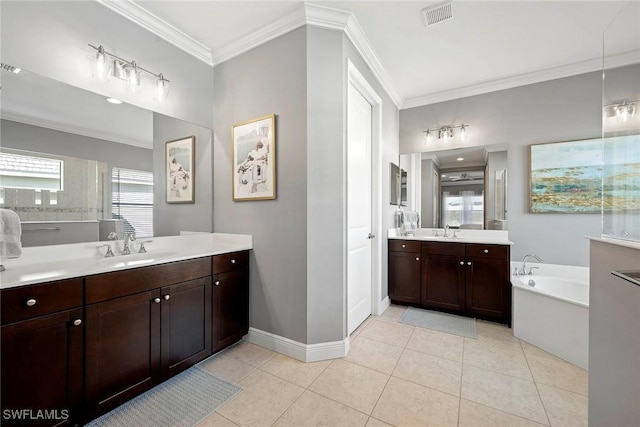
(184, 400)
(442, 322)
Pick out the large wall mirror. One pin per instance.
(464, 188)
(75, 167)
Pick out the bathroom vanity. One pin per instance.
(83, 345)
(467, 276)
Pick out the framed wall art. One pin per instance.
(254, 159)
(566, 177)
(180, 170)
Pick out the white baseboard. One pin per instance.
(384, 304)
(298, 350)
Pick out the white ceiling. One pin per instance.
(488, 45)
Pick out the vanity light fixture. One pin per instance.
(446, 133)
(128, 71)
(10, 68)
(621, 110)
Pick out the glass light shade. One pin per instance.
(162, 88)
(133, 77)
(100, 65)
(463, 133)
(428, 137)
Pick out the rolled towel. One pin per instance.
(10, 233)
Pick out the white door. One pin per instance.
(358, 209)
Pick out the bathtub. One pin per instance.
(551, 310)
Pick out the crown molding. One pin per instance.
(568, 70)
(290, 21)
(13, 116)
(161, 28)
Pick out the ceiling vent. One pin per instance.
(438, 13)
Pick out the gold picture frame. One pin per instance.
(254, 159)
(180, 170)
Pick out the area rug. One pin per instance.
(442, 322)
(184, 400)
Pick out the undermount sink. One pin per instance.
(133, 259)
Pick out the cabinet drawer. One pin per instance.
(231, 261)
(488, 251)
(404, 245)
(101, 287)
(438, 248)
(25, 302)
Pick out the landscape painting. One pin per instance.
(584, 176)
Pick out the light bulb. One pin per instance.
(162, 88)
(132, 77)
(428, 138)
(463, 132)
(100, 65)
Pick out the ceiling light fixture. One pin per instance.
(446, 133)
(128, 71)
(114, 101)
(460, 159)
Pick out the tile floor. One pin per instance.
(402, 375)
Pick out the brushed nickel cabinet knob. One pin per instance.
(31, 302)
(77, 322)
(166, 297)
(156, 300)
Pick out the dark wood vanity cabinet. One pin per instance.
(230, 298)
(42, 350)
(404, 271)
(470, 279)
(143, 326)
(443, 276)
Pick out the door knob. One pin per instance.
(371, 236)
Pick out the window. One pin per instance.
(30, 172)
(132, 200)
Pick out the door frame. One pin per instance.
(360, 83)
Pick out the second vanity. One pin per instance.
(467, 274)
(80, 341)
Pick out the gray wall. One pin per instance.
(50, 38)
(268, 79)
(426, 189)
(43, 140)
(170, 219)
(496, 160)
(557, 110)
(614, 342)
(297, 271)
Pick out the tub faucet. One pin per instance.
(128, 237)
(523, 270)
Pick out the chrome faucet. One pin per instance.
(128, 237)
(446, 227)
(523, 270)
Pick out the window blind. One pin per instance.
(132, 200)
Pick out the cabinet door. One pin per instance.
(488, 291)
(185, 325)
(443, 281)
(123, 349)
(42, 368)
(230, 307)
(404, 277)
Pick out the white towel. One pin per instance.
(10, 233)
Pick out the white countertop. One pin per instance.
(491, 237)
(48, 263)
(618, 242)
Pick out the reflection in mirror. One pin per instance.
(106, 157)
(458, 187)
(394, 185)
